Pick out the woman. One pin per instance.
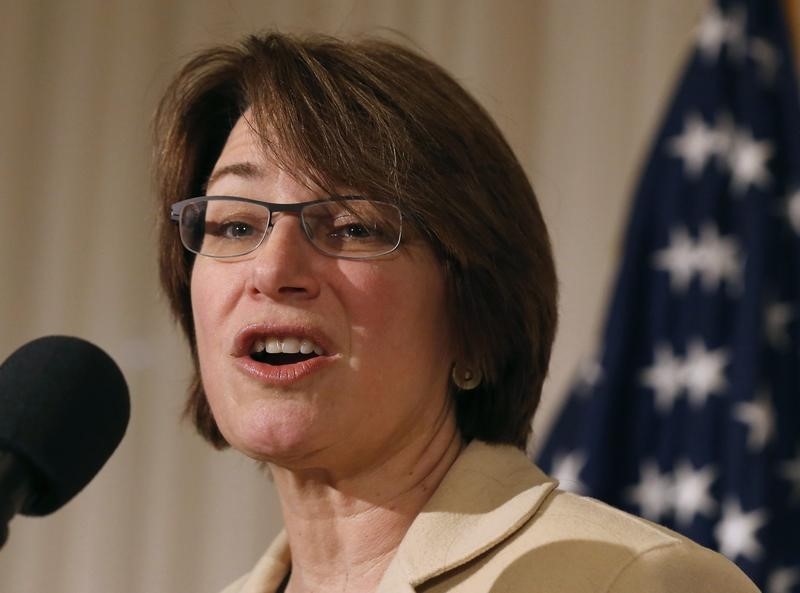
(366, 283)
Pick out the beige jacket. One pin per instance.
(498, 524)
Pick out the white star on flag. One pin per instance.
(778, 316)
(664, 377)
(692, 493)
(736, 531)
(793, 210)
(712, 33)
(759, 417)
(717, 29)
(790, 470)
(703, 372)
(695, 145)
(590, 373)
(678, 259)
(566, 469)
(747, 161)
(652, 493)
(717, 258)
(781, 580)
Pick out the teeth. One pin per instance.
(290, 346)
(286, 345)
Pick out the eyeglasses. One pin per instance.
(348, 227)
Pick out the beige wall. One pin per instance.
(577, 86)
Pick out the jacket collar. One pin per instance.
(270, 571)
(488, 493)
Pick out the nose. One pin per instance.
(283, 266)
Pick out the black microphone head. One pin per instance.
(64, 408)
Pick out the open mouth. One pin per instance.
(280, 351)
(281, 358)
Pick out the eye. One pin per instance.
(231, 230)
(352, 229)
(236, 230)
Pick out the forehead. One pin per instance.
(243, 144)
(245, 155)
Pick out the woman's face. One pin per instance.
(382, 378)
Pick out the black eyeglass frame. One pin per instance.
(293, 208)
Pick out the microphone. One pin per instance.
(64, 408)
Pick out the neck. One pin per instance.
(344, 530)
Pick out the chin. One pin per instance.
(282, 433)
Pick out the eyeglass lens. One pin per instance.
(354, 228)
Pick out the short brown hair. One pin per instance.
(374, 116)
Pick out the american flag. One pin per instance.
(689, 414)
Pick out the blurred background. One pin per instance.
(576, 86)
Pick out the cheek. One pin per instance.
(370, 298)
(203, 317)
(401, 312)
(212, 296)
(202, 303)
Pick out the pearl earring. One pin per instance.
(466, 379)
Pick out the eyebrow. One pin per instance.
(245, 169)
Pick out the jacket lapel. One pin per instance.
(489, 493)
(270, 571)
